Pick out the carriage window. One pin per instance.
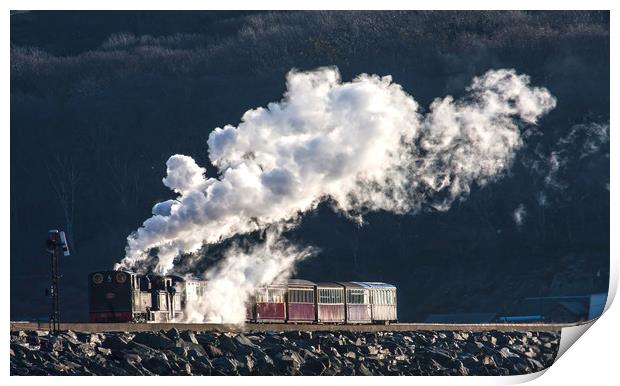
(301, 296)
(261, 296)
(275, 296)
(338, 296)
(330, 295)
(355, 296)
(379, 297)
(293, 296)
(323, 296)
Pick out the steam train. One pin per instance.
(121, 296)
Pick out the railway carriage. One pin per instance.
(358, 306)
(330, 303)
(382, 300)
(270, 304)
(300, 301)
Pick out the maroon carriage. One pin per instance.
(330, 303)
(300, 301)
(270, 303)
(357, 307)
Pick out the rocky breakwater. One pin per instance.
(282, 353)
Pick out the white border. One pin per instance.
(595, 357)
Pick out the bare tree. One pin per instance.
(125, 180)
(64, 178)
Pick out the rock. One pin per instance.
(363, 370)
(264, 365)
(212, 351)
(104, 351)
(227, 365)
(536, 365)
(132, 369)
(49, 343)
(157, 365)
(115, 342)
(244, 341)
(173, 334)
(306, 354)
(336, 365)
(70, 335)
(155, 340)
(287, 362)
(188, 336)
(489, 361)
(94, 339)
(333, 351)
(369, 350)
(506, 353)
(132, 357)
(305, 335)
(249, 363)
(202, 366)
(243, 345)
(227, 344)
(207, 338)
(313, 366)
(39, 333)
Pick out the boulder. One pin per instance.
(188, 336)
(104, 351)
(115, 342)
(287, 362)
(312, 366)
(226, 365)
(157, 365)
(155, 340)
(173, 334)
(212, 351)
(201, 365)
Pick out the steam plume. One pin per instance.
(364, 144)
(239, 273)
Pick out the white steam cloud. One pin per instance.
(362, 144)
(238, 275)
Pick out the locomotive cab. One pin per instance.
(122, 296)
(111, 296)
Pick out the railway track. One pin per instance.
(277, 327)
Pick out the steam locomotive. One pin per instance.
(122, 296)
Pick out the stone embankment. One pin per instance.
(176, 352)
